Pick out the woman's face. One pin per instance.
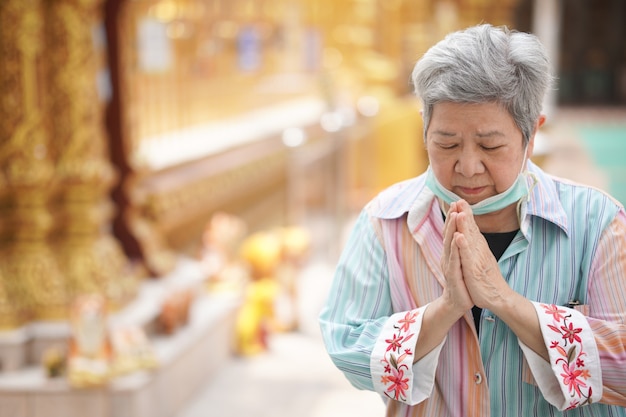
(475, 150)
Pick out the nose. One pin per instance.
(469, 163)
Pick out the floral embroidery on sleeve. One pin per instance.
(570, 355)
(398, 358)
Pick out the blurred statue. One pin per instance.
(270, 298)
(220, 245)
(295, 246)
(262, 253)
(132, 350)
(174, 312)
(89, 349)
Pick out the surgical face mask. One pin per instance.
(514, 193)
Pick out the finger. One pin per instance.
(447, 217)
(449, 226)
(460, 242)
(466, 257)
(448, 232)
(466, 224)
(455, 254)
(455, 275)
(453, 211)
(463, 206)
(453, 267)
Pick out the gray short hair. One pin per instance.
(486, 64)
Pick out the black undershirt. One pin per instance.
(498, 242)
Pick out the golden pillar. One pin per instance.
(31, 286)
(90, 258)
(55, 239)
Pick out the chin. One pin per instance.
(474, 200)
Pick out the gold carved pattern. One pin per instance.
(210, 191)
(51, 138)
(90, 258)
(176, 205)
(31, 285)
(77, 123)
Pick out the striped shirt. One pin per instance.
(569, 259)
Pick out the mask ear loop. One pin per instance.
(524, 168)
(535, 181)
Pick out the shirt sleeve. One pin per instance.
(573, 376)
(607, 309)
(587, 344)
(370, 344)
(393, 371)
(358, 305)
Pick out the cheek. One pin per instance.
(504, 175)
(442, 163)
(443, 168)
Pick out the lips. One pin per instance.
(471, 190)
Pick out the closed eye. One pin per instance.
(491, 148)
(447, 146)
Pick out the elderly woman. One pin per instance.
(484, 286)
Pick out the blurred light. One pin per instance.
(294, 137)
(179, 30)
(348, 115)
(331, 58)
(331, 121)
(226, 29)
(165, 11)
(368, 106)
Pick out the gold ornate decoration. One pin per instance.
(31, 285)
(90, 258)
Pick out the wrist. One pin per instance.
(446, 312)
(508, 306)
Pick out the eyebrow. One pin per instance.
(490, 134)
(443, 133)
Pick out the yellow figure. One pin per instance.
(262, 252)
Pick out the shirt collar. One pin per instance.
(545, 201)
(413, 197)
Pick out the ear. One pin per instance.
(541, 121)
(531, 142)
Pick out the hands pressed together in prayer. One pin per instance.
(473, 278)
(471, 270)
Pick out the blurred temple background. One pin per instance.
(177, 178)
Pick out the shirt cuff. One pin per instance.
(573, 377)
(394, 374)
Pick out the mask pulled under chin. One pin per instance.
(518, 190)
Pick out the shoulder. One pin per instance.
(573, 203)
(396, 200)
(574, 194)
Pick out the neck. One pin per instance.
(500, 221)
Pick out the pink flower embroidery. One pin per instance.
(398, 383)
(570, 333)
(399, 357)
(573, 404)
(570, 350)
(556, 312)
(570, 378)
(395, 343)
(406, 322)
